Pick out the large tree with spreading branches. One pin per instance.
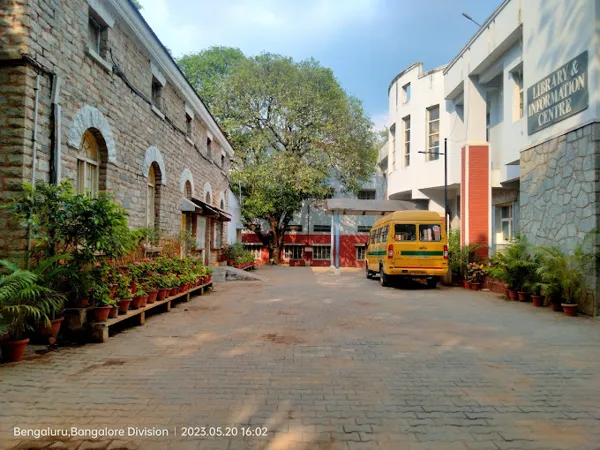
(294, 129)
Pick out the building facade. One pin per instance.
(308, 241)
(89, 94)
(520, 112)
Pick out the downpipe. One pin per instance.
(34, 156)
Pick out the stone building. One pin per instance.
(519, 106)
(89, 94)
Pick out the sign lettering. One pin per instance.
(559, 95)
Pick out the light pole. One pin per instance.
(445, 180)
(468, 17)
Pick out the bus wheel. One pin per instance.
(432, 282)
(384, 279)
(368, 272)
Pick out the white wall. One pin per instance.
(426, 91)
(234, 209)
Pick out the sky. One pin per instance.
(366, 42)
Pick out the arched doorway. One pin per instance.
(153, 186)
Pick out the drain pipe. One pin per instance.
(34, 156)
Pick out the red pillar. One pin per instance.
(475, 195)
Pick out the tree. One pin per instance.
(294, 128)
(207, 68)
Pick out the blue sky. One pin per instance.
(365, 42)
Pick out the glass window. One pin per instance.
(384, 233)
(405, 232)
(506, 222)
(430, 233)
(218, 233)
(360, 253)
(254, 249)
(366, 194)
(151, 198)
(364, 228)
(293, 251)
(94, 35)
(322, 252)
(188, 190)
(378, 235)
(518, 79)
(433, 133)
(322, 228)
(88, 163)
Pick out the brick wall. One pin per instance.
(479, 196)
(56, 37)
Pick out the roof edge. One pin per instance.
(408, 69)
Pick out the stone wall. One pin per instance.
(560, 195)
(130, 131)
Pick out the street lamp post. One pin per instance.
(445, 180)
(468, 17)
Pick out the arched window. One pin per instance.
(88, 165)
(187, 190)
(151, 198)
(222, 204)
(207, 200)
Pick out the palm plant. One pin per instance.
(518, 264)
(24, 300)
(564, 273)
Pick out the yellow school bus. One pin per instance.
(408, 244)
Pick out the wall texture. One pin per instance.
(130, 132)
(560, 195)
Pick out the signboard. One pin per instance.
(561, 94)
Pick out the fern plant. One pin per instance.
(564, 273)
(24, 300)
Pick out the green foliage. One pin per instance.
(476, 272)
(206, 69)
(564, 273)
(460, 256)
(294, 128)
(516, 265)
(62, 222)
(24, 300)
(238, 254)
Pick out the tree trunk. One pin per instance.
(277, 235)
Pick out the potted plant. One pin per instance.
(566, 271)
(475, 273)
(163, 285)
(139, 298)
(22, 300)
(123, 295)
(103, 303)
(152, 292)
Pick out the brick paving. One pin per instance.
(323, 362)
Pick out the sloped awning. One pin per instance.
(196, 206)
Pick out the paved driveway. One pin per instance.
(322, 362)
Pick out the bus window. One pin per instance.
(378, 235)
(405, 232)
(430, 233)
(384, 233)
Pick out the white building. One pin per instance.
(519, 107)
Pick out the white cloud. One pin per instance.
(255, 25)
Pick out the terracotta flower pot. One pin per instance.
(466, 284)
(556, 307)
(52, 330)
(182, 289)
(475, 286)
(538, 300)
(113, 289)
(173, 291)
(144, 300)
(12, 351)
(163, 293)
(152, 296)
(136, 302)
(114, 312)
(101, 313)
(209, 278)
(83, 303)
(512, 294)
(133, 286)
(124, 306)
(523, 296)
(570, 309)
